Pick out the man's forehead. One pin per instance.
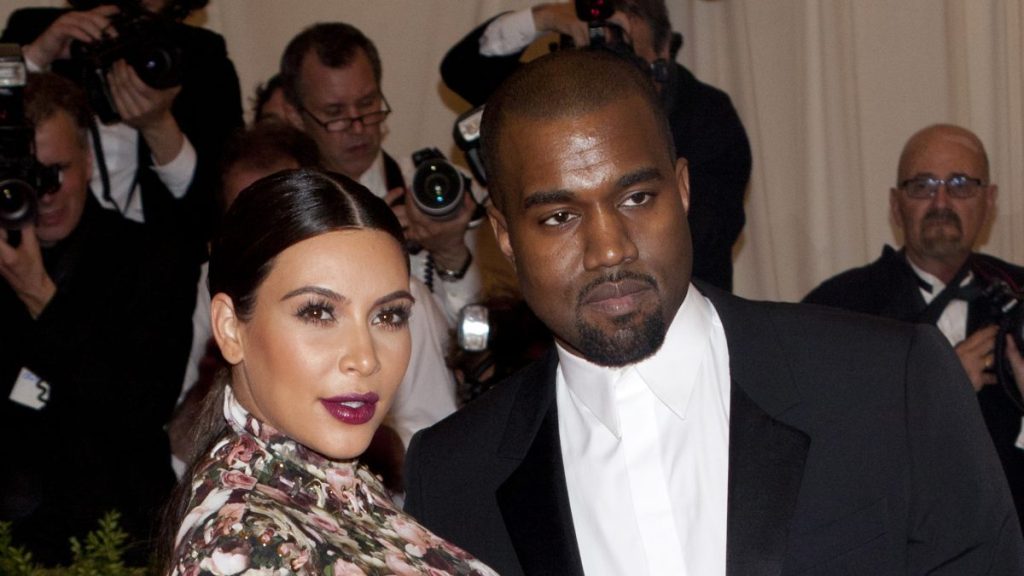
(943, 150)
(354, 79)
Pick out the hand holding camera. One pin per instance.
(146, 109)
(22, 268)
(84, 26)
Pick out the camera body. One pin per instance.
(145, 41)
(1004, 306)
(22, 178)
(438, 188)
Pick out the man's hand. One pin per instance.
(22, 268)
(976, 356)
(55, 41)
(561, 18)
(444, 239)
(148, 110)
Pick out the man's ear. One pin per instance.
(895, 218)
(683, 182)
(293, 115)
(227, 328)
(500, 227)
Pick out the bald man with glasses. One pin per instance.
(941, 203)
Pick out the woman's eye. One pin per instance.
(558, 218)
(317, 312)
(394, 317)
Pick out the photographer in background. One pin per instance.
(157, 164)
(705, 127)
(96, 331)
(332, 74)
(942, 201)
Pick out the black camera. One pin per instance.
(438, 188)
(144, 40)
(466, 133)
(22, 178)
(1004, 306)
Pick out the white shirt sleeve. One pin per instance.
(509, 33)
(177, 174)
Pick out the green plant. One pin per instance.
(100, 555)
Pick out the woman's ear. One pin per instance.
(227, 328)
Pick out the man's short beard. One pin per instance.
(627, 345)
(634, 337)
(939, 243)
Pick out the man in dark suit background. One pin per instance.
(705, 127)
(675, 428)
(943, 200)
(159, 163)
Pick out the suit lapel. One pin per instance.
(766, 464)
(534, 500)
(766, 456)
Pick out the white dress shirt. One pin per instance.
(120, 144)
(953, 321)
(646, 452)
(509, 33)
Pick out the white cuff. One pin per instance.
(509, 33)
(177, 174)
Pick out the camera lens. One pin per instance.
(156, 66)
(17, 202)
(438, 188)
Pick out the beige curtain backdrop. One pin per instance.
(828, 90)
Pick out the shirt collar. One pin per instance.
(670, 374)
(935, 286)
(374, 178)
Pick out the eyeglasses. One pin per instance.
(957, 186)
(343, 124)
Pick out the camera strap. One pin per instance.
(101, 164)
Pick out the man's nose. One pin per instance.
(607, 239)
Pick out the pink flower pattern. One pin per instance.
(285, 509)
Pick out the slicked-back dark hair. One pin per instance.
(335, 44)
(564, 84)
(280, 211)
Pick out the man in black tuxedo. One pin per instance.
(942, 202)
(676, 428)
(705, 127)
(95, 333)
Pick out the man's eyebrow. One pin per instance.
(640, 176)
(547, 197)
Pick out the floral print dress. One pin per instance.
(263, 504)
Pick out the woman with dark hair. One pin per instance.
(310, 307)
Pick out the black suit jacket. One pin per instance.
(208, 110)
(854, 449)
(112, 345)
(705, 127)
(888, 287)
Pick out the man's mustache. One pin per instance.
(615, 277)
(942, 216)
